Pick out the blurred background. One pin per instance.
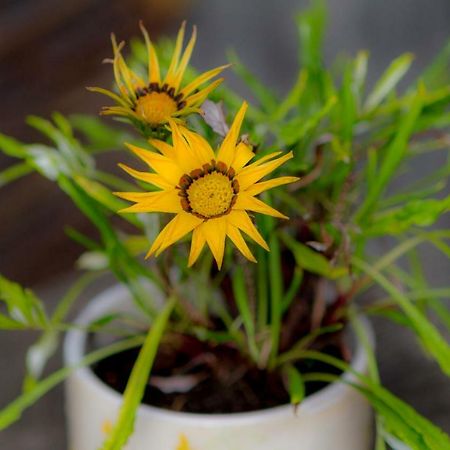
(50, 50)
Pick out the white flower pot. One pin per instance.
(335, 418)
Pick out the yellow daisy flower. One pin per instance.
(210, 192)
(155, 100)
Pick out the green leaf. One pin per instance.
(429, 336)
(393, 74)
(14, 172)
(297, 128)
(12, 412)
(105, 197)
(99, 135)
(276, 293)
(132, 397)
(293, 98)
(23, 306)
(398, 417)
(422, 213)
(437, 73)
(296, 386)
(243, 305)
(392, 157)
(312, 261)
(12, 147)
(311, 25)
(403, 421)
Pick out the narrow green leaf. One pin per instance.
(422, 213)
(243, 305)
(429, 336)
(296, 386)
(12, 412)
(389, 80)
(124, 426)
(393, 156)
(14, 172)
(22, 304)
(312, 261)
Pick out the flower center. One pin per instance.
(209, 192)
(156, 107)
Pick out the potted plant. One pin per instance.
(258, 341)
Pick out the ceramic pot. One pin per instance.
(334, 418)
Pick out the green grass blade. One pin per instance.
(12, 412)
(124, 426)
(389, 80)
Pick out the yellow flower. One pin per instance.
(210, 192)
(155, 100)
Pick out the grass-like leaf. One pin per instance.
(137, 382)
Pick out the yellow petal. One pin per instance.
(163, 147)
(227, 150)
(243, 155)
(153, 63)
(236, 237)
(176, 55)
(214, 231)
(249, 203)
(124, 101)
(241, 220)
(197, 244)
(203, 78)
(178, 227)
(186, 158)
(199, 145)
(251, 174)
(152, 178)
(199, 97)
(163, 201)
(185, 60)
(167, 168)
(257, 188)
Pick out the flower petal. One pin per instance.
(253, 173)
(241, 220)
(178, 227)
(176, 55)
(153, 63)
(185, 60)
(227, 150)
(243, 155)
(199, 97)
(199, 145)
(257, 188)
(186, 158)
(214, 231)
(167, 168)
(148, 177)
(163, 147)
(236, 237)
(249, 203)
(203, 78)
(162, 201)
(197, 244)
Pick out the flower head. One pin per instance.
(153, 101)
(210, 192)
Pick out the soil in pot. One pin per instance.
(193, 376)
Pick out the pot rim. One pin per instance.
(73, 352)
